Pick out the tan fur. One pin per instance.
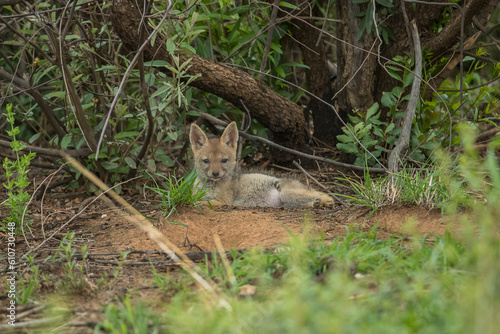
(215, 161)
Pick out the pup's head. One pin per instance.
(214, 158)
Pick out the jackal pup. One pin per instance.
(215, 161)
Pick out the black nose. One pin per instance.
(215, 174)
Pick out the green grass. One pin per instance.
(363, 282)
(436, 186)
(419, 287)
(174, 192)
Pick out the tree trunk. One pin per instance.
(356, 69)
(283, 118)
(367, 86)
(315, 54)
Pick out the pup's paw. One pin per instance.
(325, 200)
(210, 203)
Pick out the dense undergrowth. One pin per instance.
(363, 282)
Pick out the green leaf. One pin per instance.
(130, 162)
(109, 165)
(344, 138)
(66, 141)
(408, 80)
(193, 113)
(385, 3)
(394, 75)
(105, 67)
(294, 64)
(151, 165)
(347, 148)
(126, 134)
(150, 79)
(171, 46)
(389, 128)
(288, 5)
(34, 138)
(372, 110)
(69, 37)
(157, 63)
(281, 73)
(58, 95)
(388, 100)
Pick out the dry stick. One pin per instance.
(462, 23)
(316, 181)
(404, 138)
(225, 261)
(50, 177)
(324, 23)
(154, 234)
(289, 150)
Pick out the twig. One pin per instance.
(316, 181)
(50, 151)
(149, 114)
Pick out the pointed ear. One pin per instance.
(230, 136)
(197, 137)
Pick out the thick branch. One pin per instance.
(450, 35)
(282, 117)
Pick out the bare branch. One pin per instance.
(404, 139)
(51, 152)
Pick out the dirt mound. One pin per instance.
(193, 229)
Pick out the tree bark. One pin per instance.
(356, 69)
(283, 118)
(315, 54)
(371, 81)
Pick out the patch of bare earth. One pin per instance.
(107, 233)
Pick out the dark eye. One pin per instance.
(223, 161)
(206, 161)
